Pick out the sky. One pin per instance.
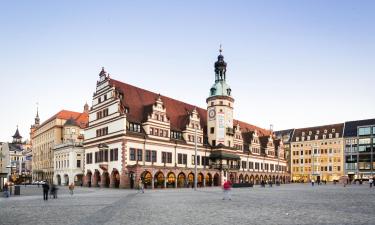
(292, 64)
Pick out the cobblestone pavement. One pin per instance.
(288, 204)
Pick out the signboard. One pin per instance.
(220, 120)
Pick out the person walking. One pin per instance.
(370, 181)
(226, 188)
(6, 190)
(140, 186)
(71, 188)
(312, 182)
(45, 190)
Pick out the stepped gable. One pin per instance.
(139, 101)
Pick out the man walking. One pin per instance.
(227, 187)
(45, 190)
(370, 181)
(140, 186)
(71, 188)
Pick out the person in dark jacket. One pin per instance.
(45, 190)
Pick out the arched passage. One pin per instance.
(200, 180)
(261, 178)
(231, 178)
(257, 179)
(171, 180)
(96, 179)
(159, 180)
(246, 178)
(58, 179)
(115, 178)
(78, 180)
(216, 179)
(66, 179)
(241, 178)
(208, 180)
(181, 180)
(147, 179)
(105, 180)
(88, 178)
(191, 179)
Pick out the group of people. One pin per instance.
(53, 190)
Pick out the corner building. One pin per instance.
(317, 153)
(134, 133)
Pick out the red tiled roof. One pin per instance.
(80, 118)
(138, 101)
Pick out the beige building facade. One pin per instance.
(317, 153)
(45, 137)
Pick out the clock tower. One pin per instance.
(220, 108)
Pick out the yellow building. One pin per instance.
(317, 153)
(46, 136)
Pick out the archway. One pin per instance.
(273, 179)
(252, 179)
(257, 179)
(208, 180)
(231, 177)
(181, 180)
(200, 180)
(246, 178)
(147, 179)
(240, 178)
(191, 179)
(105, 180)
(216, 179)
(78, 180)
(269, 178)
(58, 178)
(66, 179)
(96, 179)
(88, 178)
(261, 178)
(115, 178)
(171, 180)
(159, 180)
(277, 178)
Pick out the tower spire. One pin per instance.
(37, 120)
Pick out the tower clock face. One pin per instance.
(211, 113)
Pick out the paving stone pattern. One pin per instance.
(287, 204)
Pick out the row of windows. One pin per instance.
(317, 160)
(308, 138)
(104, 98)
(159, 117)
(65, 164)
(191, 138)
(102, 113)
(317, 169)
(137, 155)
(365, 131)
(318, 131)
(176, 135)
(317, 151)
(159, 132)
(263, 166)
(316, 144)
(102, 156)
(102, 131)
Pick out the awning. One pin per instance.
(224, 155)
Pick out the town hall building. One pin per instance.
(136, 134)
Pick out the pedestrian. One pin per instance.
(226, 188)
(6, 190)
(71, 188)
(370, 181)
(45, 190)
(53, 191)
(312, 182)
(140, 186)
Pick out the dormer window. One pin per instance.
(229, 91)
(310, 132)
(333, 130)
(325, 131)
(317, 132)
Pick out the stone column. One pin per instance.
(94, 180)
(152, 182)
(204, 181)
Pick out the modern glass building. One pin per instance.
(359, 149)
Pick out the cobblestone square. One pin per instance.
(287, 204)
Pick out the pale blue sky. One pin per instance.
(290, 63)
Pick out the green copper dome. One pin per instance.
(220, 88)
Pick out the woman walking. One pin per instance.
(71, 188)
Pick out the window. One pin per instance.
(184, 159)
(176, 135)
(364, 131)
(102, 131)
(134, 127)
(251, 165)
(148, 156)
(154, 156)
(166, 157)
(113, 154)
(88, 158)
(244, 164)
(78, 163)
(198, 160)
(105, 154)
(139, 155)
(179, 158)
(212, 130)
(132, 154)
